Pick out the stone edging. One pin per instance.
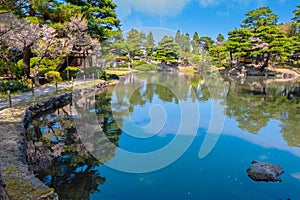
(19, 182)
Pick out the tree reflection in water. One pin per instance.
(255, 102)
(59, 158)
(57, 155)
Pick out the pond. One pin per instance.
(171, 136)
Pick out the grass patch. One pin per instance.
(19, 189)
(119, 72)
(187, 70)
(146, 67)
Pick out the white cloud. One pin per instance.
(151, 7)
(205, 3)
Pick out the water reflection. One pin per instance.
(255, 102)
(57, 154)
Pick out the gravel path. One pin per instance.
(21, 98)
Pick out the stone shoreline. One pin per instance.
(280, 73)
(18, 181)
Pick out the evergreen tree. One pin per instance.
(186, 43)
(296, 18)
(268, 40)
(262, 16)
(206, 42)
(238, 43)
(218, 50)
(135, 42)
(150, 43)
(195, 43)
(220, 38)
(271, 43)
(167, 50)
(178, 37)
(296, 38)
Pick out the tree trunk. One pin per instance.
(266, 62)
(36, 73)
(61, 67)
(26, 61)
(231, 58)
(36, 76)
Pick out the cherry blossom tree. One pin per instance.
(77, 31)
(58, 44)
(16, 35)
(50, 46)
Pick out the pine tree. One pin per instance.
(220, 38)
(150, 43)
(195, 43)
(167, 50)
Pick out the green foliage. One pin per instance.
(239, 43)
(122, 65)
(3, 68)
(296, 18)
(118, 47)
(18, 70)
(146, 67)
(122, 58)
(188, 70)
(73, 71)
(104, 75)
(206, 42)
(46, 65)
(53, 76)
(262, 16)
(13, 86)
(138, 62)
(135, 41)
(167, 50)
(183, 41)
(220, 38)
(101, 15)
(92, 72)
(195, 43)
(150, 43)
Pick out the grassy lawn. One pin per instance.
(119, 71)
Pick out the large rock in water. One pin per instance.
(261, 171)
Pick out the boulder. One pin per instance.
(261, 171)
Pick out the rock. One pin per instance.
(261, 171)
(113, 77)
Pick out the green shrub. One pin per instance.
(122, 65)
(226, 65)
(18, 70)
(45, 66)
(122, 58)
(73, 71)
(97, 71)
(53, 76)
(3, 68)
(139, 62)
(104, 76)
(13, 86)
(146, 67)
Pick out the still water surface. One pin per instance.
(261, 122)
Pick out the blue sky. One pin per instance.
(207, 17)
